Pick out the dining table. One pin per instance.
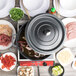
(43, 70)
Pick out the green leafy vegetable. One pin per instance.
(16, 14)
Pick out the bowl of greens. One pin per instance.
(16, 14)
(56, 70)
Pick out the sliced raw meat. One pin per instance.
(5, 40)
(71, 30)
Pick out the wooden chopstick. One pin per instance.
(25, 9)
(57, 7)
(38, 70)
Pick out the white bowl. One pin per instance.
(4, 22)
(20, 9)
(12, 67)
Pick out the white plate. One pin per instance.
(33, 5)
(12, 67)
(5, 6)
(72, 42)
(70, 61)
(42, 9)
(70, 6)
(62, 11)
(24, 66)
(13, 33)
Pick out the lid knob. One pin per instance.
(46, 32)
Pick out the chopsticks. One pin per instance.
(58, 7)
(25, 9)
(38, 70)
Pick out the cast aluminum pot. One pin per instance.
(45, 34)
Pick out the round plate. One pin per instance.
(35, 4)
(72, 42)
(45, 34)
(42, 9)
(70, 6)
(13, 33)
(13, 55)
(5, 6)
(62, 11)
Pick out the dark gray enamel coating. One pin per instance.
(45, 34)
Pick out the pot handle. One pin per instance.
(13, 40)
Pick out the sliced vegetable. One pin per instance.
(16, 14)
(57, 70)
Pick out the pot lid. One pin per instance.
(45, 33)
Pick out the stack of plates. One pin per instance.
(35, 7)
(5, 6)
(66, 8)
